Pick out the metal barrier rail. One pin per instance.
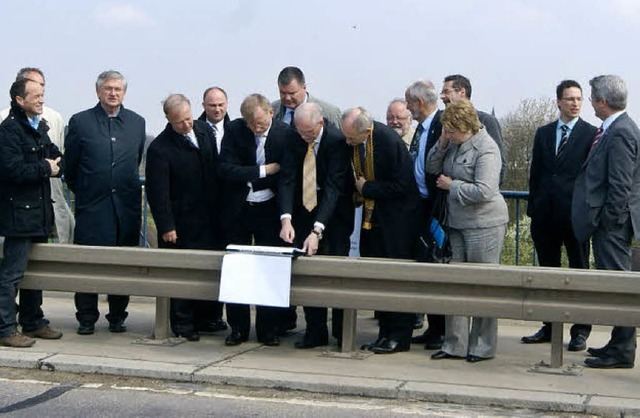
(525, 293)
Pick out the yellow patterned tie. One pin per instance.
(309, 192)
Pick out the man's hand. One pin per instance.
(310, 244)
(287, 233)
(170, 236)
(360, 181)
(55, 168)
(443, 142)
(444, 182)
(272, 168)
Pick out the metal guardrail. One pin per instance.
(526, 293)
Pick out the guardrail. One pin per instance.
(525, 293)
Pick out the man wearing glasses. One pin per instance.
(399, 119)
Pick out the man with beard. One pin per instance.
(399, 119)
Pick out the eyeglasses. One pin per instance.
(573, 99)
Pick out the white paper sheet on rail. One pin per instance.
(255, 279)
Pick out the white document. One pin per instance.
(256, 279)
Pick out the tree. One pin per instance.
(518, 130)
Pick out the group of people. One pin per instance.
(292, 172)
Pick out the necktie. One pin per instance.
(415, 142)
(260, 157)
(563, 139)
(597, 137)
(288, 117)
(309, 190)
(215, 131)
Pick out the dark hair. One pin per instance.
(18, 88)
(565, 84)
(460, 82)
(220, 89)
(288, 74)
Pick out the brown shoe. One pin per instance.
(17, 340)
(46, 333)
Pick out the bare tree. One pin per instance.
(518, 130)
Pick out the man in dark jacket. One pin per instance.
(181, 183)
(27, 160)
(104, 148)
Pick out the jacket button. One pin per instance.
(113, 164)
(113, 190)
(113, 140)
(27, 206)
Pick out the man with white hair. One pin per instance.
(399, 119)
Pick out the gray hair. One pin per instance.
(310, 111)
(362, 119)
(610, 88)
(173, 101)
(23, 72)
(110, 75)
(423, 90)
(397, 100)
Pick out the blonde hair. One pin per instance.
(461, 116)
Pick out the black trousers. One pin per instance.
(548, 238)
(258, 223)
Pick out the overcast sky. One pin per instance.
(361, 52)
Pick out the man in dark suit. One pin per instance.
(458, 87)
(386, 185)
(316, 205)
(559, 150)
(104, 147)
(422, 102)
(252, 151)
(182, 190)
(214, 102)
(606, 202)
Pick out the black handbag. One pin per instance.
(433, 243)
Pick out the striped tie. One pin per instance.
(597, 137)
(309, 190)
(260, 157)
(563, 140)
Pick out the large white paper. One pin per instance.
(256, 279)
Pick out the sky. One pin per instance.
(353, 52)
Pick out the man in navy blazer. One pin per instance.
(559, 150)
(606, 202)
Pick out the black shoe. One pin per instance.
(271, 341)
(577, 343)
(86, 329)
(598, 352)
(430, 340)
(117, 326)
(235, 338)
(370, 346)
(213, 326)
(474, 359)
(190, 335)
(310, 342)
(607, 363)
(419, 321)
(441, 355)
(389, 346)
(542, 336)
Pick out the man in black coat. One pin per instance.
(182, 190)
(315, 201)
(104, 147)
(559, 150)
(390, 218)
(27, 160)
(252, 151)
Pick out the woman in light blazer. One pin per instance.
(467, 161)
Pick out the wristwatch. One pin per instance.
(318, 233)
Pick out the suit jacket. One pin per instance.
(551, 179)
(494, 130)
(226, 122)
(181, 185)
(238, 163)
(103, 155)
(329, 111)
(607, 189)
(394, 189)
(474, 197)
(334, 181)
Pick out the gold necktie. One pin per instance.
(309, 192)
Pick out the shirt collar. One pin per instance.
(569, 124)
(608, 121)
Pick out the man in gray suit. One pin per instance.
(293, 92)
(606, 203)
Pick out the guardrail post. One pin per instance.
(349, 330)
(557, 329)
(161, 326)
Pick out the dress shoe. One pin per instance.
(271, 341)
(577, 343)
(370, 346)
(430, 340)
(310, 342)
(213, 326)
(607, 363)
(597, 352)
(235, 338)
(190, 335)
(441, 355)
(542, 336)
(389, 346)
(86, 329)
(46, 333)
(17, 340)
(117, 326)
(419, 321)
(474, 359)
